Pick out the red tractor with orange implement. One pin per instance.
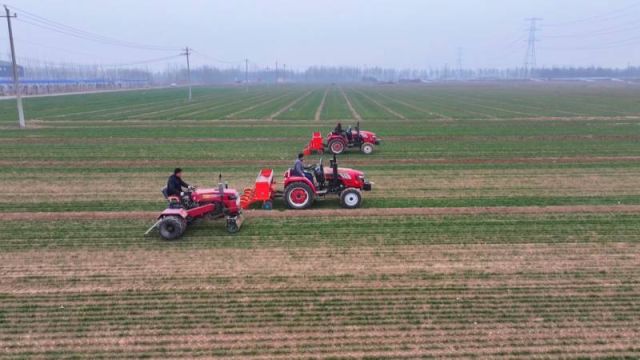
(338, 142)
(212, 203)
(300, 192)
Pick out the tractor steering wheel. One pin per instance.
(318, 168)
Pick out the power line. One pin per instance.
(600, 32)
(611, 15)
(39, 21)
(208, 57)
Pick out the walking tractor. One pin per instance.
(300, 191)
(337, 143)
(212, 203)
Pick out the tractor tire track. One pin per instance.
(233, 114)
(288, 106)
(411, 106)
(388, 212)
(168, 140)
(321, 106)
(384, 107)
(260, 162)
(354, 113)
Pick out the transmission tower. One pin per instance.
(459, 64)
(530, 56)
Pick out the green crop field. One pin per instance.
(504, 222)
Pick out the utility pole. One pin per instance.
(276, 71)
(16, 82)
(186, 53)
(246, 74)
(530, 56)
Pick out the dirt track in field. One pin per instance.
(351, 162)
(353, 111)
(498, 210)
(318, 113)
(168, 140)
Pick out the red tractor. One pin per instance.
(338, 142)
(214, 203)
(300, 191)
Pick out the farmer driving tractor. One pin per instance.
(300, 170)
(339, 131)
(175, 184)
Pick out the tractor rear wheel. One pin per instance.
(172, 227)
(350, 198)
(366, 148)
(298, 196)
(336, 147)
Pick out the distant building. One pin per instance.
(7, 71)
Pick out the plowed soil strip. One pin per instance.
(229, 116)
(321, 106)
(354, 113)
(167, 140)
(386, 108)
(108, 215)
(288, 106)
(379, 161)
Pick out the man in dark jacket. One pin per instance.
(338, 129)
(300, 170)
(175, 183)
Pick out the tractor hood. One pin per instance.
(351, 172)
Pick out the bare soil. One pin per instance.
(108, 215)
(354, 113)
(321, 106)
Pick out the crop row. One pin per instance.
(417, 102)
(269, 232)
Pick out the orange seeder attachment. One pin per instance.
(315, 144)
(263, 191)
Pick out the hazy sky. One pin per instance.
(400, 33)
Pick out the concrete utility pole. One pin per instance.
(530, 56)
(186, 53)
(16, 82)
(246, 74)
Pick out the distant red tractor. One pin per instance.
(300, 192)
(338, 142)
(213, 203)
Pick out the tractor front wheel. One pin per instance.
(350, 198)
(366, 148)
(172, 227)
(298, 196)
(336, 147)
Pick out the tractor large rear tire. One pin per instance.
(336, 147)
(172, 227)
(350, 198)
(298, 196)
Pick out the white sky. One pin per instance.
(300, 33)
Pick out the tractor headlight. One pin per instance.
(361, 177)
